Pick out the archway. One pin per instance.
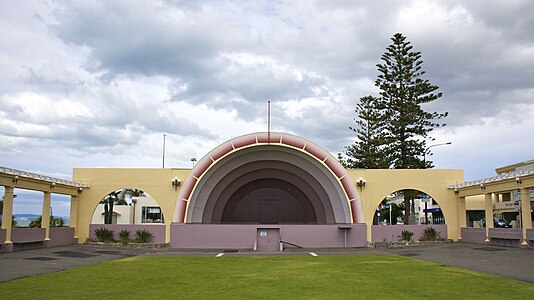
(422, 209)
(276, 179)
(426, 217)
(269, 201)
(127, 206)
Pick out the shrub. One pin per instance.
(430, 234)
(103, 234)
(143, 236)
(124, 236)
(406, 235)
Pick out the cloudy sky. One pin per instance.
(98, 83)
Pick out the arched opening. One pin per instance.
(408, 207)
(408, 215)
(269, 181)
(252, 180)
(128, 206)
(269, 201)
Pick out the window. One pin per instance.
(151, 215)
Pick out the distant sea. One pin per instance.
(24, 220)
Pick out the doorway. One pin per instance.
(268, 239)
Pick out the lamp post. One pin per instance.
(428, 148)
(193, 160)
(134, 202)
(164, 150)
(424, 162)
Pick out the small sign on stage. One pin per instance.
(263, 233)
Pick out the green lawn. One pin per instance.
(333, 277)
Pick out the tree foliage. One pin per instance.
(54, 222)
(392, 130)
(402, 92)
(396, 211)
(368, 151)
(118, 197)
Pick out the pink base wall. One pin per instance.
(157, 230)
(506, 236)
(61, 236)
(234, 236)
(473, 235)
(27, 234)
(381, 233)
(530, 237)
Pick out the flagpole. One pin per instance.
(269, 121)
(164, 150)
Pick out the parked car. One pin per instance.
(501, 223)
(498, 223)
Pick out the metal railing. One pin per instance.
(499, 177)
(25, 174)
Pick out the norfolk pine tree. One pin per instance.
(403, 91)
(368, 151)
(404, 125)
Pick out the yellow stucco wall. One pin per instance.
(157, 183)
(433, 182)
(474, 202)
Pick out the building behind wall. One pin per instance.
(508, 207)
(141, 210)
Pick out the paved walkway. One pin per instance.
(507, 262)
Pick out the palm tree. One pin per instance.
(116, 197)
(54, 222)
(133, 193)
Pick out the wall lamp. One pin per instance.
(482, 186)
(16, 179)
(456, 190)
(80, 189)
(175, 182)
(361, 182)
(518, 180)
(52, 185)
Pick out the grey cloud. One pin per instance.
(513, 19)
(190, 50)
(139, 37)
(326, 124)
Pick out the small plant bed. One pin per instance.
(119, 244)
(401, 244)
(142, 239)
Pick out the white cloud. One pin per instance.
(90, 83)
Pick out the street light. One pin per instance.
(193, 160)
(424, 163)
(428, 148)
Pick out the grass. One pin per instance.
(333, 277)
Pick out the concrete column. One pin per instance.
(167, 232)
(526, 218)
(74, 214)
(45, 219)
(462, 215)
(7, 213)
(488, 205)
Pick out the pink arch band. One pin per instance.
(276, 139)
